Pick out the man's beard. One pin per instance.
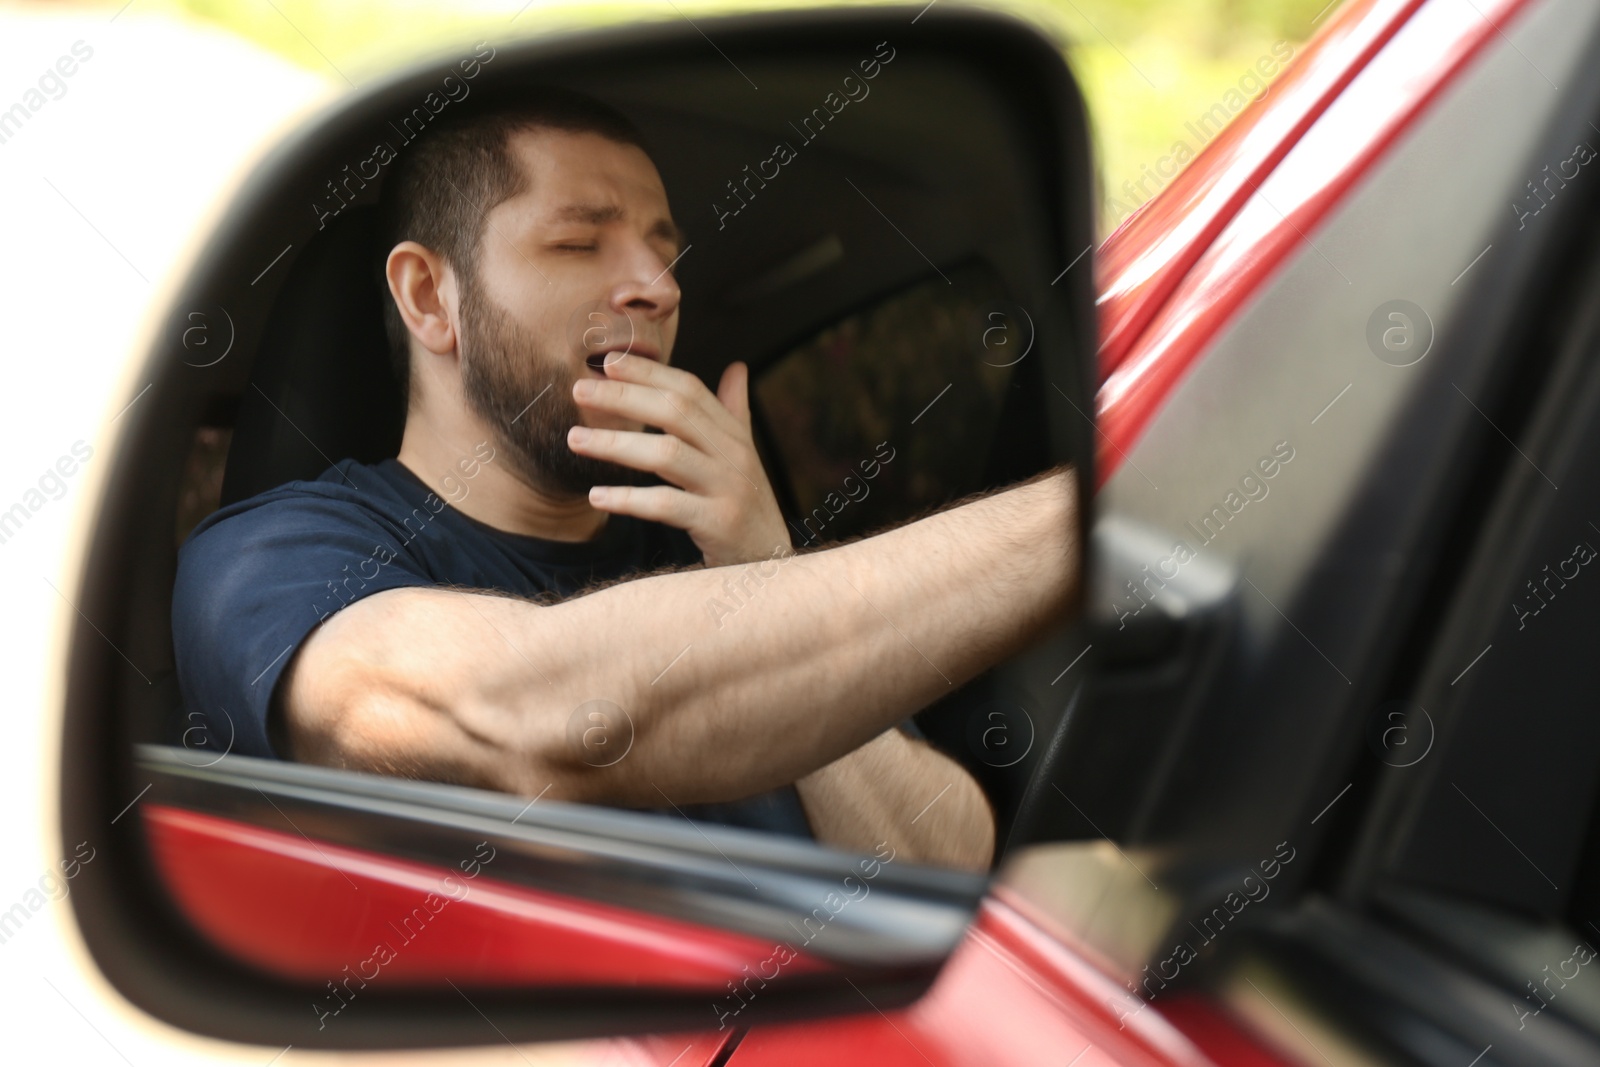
(526, 398)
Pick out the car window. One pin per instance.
(895, 409)
(200, 487)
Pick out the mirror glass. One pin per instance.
(818, 292)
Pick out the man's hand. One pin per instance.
(723, 499)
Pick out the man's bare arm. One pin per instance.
(903, 791)
(831, 651)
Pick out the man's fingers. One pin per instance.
(730, 461)
(641, 403)
(657, 503)
(661, 454)
(656, 407)
(684, 391)
(734, 390)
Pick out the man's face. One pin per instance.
(570, 272)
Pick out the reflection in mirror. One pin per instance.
(632, 538)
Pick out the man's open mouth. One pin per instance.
(597, 360)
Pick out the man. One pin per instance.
(419, 617)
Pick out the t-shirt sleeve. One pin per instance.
(253, 584)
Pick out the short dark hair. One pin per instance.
(443, 186)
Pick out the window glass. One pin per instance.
(200, 490)
(895, 409)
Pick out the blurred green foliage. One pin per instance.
(1146, 66)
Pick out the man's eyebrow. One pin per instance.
(594, 214)
(600, 214)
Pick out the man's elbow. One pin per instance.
(347, 717)
(358, 716)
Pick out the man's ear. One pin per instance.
(424, 290)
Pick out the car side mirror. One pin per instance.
(820, 163)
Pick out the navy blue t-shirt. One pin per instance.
(256, 577)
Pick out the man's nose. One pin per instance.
(650, 289)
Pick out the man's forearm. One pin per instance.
(825, 654)
(895, 789)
